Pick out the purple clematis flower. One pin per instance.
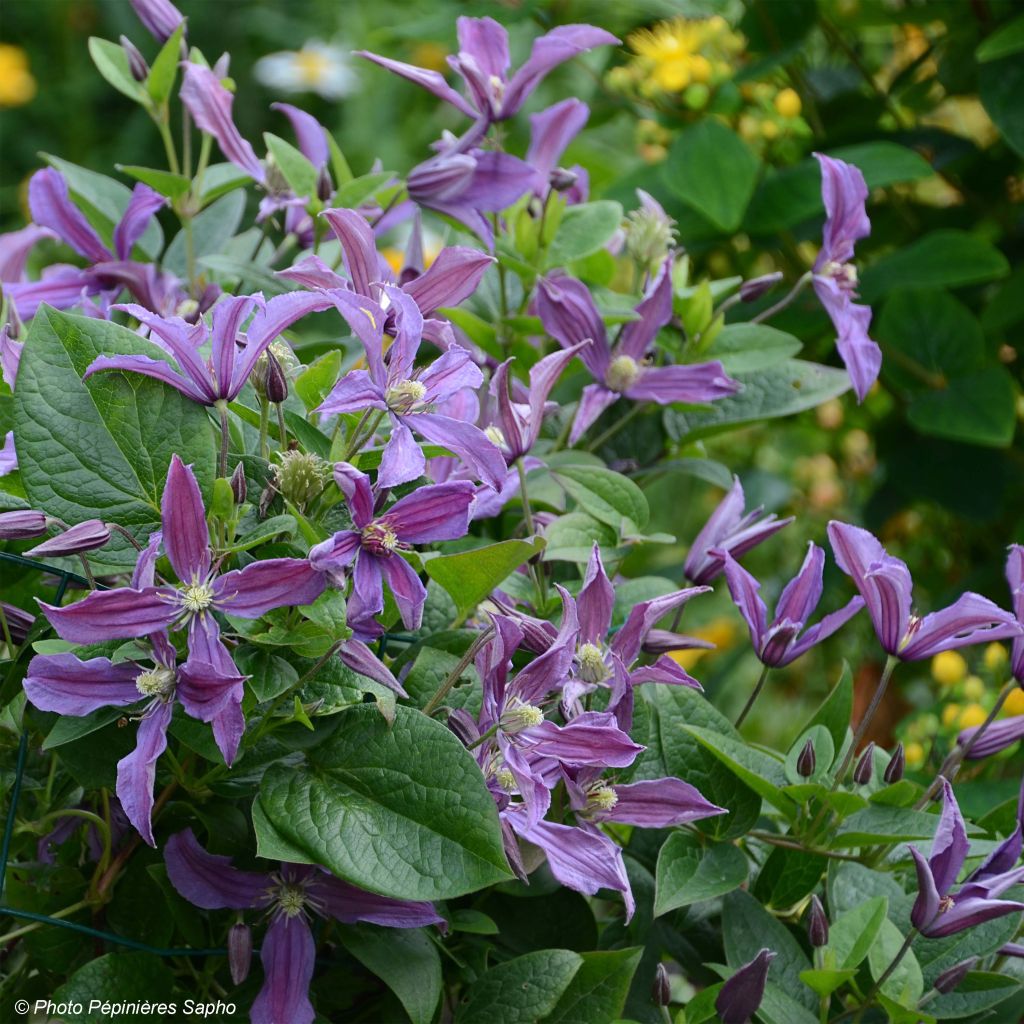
(8, 456)
(15, 247)
(885, 584)
(483, 63)
(740, 997)
(160, 17)
(835, 278)
(1015, 577)
(291, 895)
(551, 131)
(996, 737)
(729, 529)
(779, 642)
(144, 608)
(570, 316)
(432, 513)
(395, 385)
(937, 912)
(221, 378)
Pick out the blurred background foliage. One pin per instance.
(713, 107)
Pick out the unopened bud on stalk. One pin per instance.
(561, 179)
(238, 485)
(85, 536)
(661, 990)
(817, 924)
(752, 290)
(136, 62)
(324, 185)
(894, 769)
(275, 384)
(22, 524)
(807, 761)
(239, 952)
(865, 766)
(950, 979)
(463, 725)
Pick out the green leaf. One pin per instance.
(947, 258)
(120, 978)
(606, 495)
(354, 192)
(781, 390)
(112, 63)
(979, 408)
(405, 959)
(824, 754)
(787, 876)
(270, 844)
(522, 990)
(1006, 39)
(1000, 84)
(471, 576)
(67, 729)
(164, 70)
(979, 991)
(269, 675)
(571, 538)
(313, 384)
(300, 174)
(599, 988)
(905, 985)
(712, 170)
(100, 449)
(880, 824)
(402, 811)
(747, 348)
(220, 179)
(836, 709)
(852, 934)
(164, 182)
(584, 229)
(211, 230)
(760, 771)
(689, 871)
(825, 981)
(263, 531)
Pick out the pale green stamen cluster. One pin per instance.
(379, 538)
(521, 716)
(301, 476)
(197, 597)
(291, 899)
(403, 397)
(649, 236)
(157, 682)
(602, 798)
(591, 662)
(622, 373)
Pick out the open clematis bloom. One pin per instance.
(222, 377)
(483, 64)
(1015, 578)
(835, 278)
(741, 995)
(291, 895)
(886, 586)
(786, 637)
(729, 529)
(551, 131)
(569, 315)
(432, 513)
(937, 911)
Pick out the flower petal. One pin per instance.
(970, 619)
(51, 207)
(114, 614)
(408, 590)
(62, 683)
(262, 586)
(348, 904)
(209, 880)
(137, 215)
(595, 600)
(186, 536)
(288, 955)
(696, 383)
(309, 133)
(137, 772)
(432, 513)
(353, 393)
(660, 803)
(432, 81)
(950, 846)
(465, 440)
(450, 279)
(402, 459)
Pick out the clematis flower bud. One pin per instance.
(301, 476)
(561, 179)
(948, 980)
(741, 995)
(136, 62)
(817, 924)
(661, 990)
(275, 383)
(22, 524)
(752, 290)
(324, 185)
(807, 761)
(85, 536)
(463, 725)
(894, 769)
(238, 485)
(865, 766)
(239, 951)
(19, 622)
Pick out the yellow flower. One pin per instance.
(720, 632)
(1014, 704)
(671, 52)
(787, 103)
(948, 668)
(995, 657)
(17, 86)
(950, 713)
(974, 688)
(914, 754)
(770, 130)
(974, 714)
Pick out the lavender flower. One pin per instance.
(885, 584)
(997, 736)
(291, 895)
(729, 529)
(741, 995)
(8, 456)
(551, 131)
(22, 524)
(1015, 578)
(160, 17)
(432, 513)
(570, 316)
(835, 278)
(483, 64)
(779, 642)
(937, 912)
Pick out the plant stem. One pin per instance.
(225, 436)
(886, 975)
(536, 574)
(615, 428)
(264, 428)
(442, 691)
(753, 697)
(486, 736)
(57, 914)
(784, 301)
(283, 433)
(165, 134)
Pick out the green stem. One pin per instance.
(56, 915)
(225, 437)
(885, 976)
(281, 427)
(264, 428)
(486, 736)
(785, 300)
(442, 691)
(753, 697)
(165, 134)
(536, 574)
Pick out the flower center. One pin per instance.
(844, 274)
(496, 436)
(158, 682)
(946, 904)
(592, 666)
(520, 716)
(291, 899)
(505, 779)
(622, 373)
(404, 396)
(379, 538)
(602, 798)
(197, 597)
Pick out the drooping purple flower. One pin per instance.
(1015, 578)
(729, 529)
(786, 637)
(483, 64)
(15, 247)
(223, 376)
(741, 995)
(160, 17)
(569, 315)
(886, 586)
(551, 131)
(292, 895)
(81, 537)
(939, 912)
(996, 737)
(432, 513)
(835, 278)
(309, 133)
(209, 103)
(409, 394)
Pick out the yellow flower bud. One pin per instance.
(1014, 704)
(914, 753)
(974, 714)
(950, 714)
(788, 104)
(974, 688)
(948, 668)
(995, 657)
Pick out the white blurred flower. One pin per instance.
(319, 67)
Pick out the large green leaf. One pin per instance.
(522, 990)
(1000, 85)
(905, 984)
(852, 934)
(100, 449)
(1006, 39)
(402, 811)
(689, 871)
(584, 229)
(979, 991)
(978, 408)
(121, 978)
(598, 990)
(780, 390)
(606, 495)
(713, 170)
(747, 348)
(835, 710)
